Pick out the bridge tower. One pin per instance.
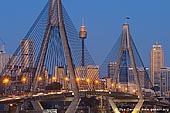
(55, 19)
(124, 51)
(125, 68)
(54, 38)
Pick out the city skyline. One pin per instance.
(103, 24)
(51, 64)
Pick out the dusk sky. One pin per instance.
(149, 23)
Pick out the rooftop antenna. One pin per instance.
(3, 46)
(82, 21)
(126, 19)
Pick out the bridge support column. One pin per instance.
(138, 106)
(155, 109)
(18, 108)
(37, 106)
(114, 107)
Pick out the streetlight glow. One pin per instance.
(134, 90)
(88, 80)
(96, 82)
(54, 78)
(66, 78)
(119, 86)
(24, 79)
(77, 79)
(113, 84)
(39, 78)
(5, 81)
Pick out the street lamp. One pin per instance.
(88, 80)
(39, 78)
(78, 79)
(66, 82)
(54, 79)
(96, 82)
(66, 78)
(134, 91)
(119, 87)
(23, 79)
(5, 81)
(126, 88)
(112, 84)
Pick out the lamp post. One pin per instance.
(66, 82)
(23, 80)
(5, 81)
(96, 82)
(88, 83)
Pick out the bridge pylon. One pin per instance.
(125, 62)
(55, 19)
(48, 45)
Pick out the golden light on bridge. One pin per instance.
(78, 79)
(54, 78)
(66, 78)
(112, 84)
(119, 87)
(88, 80)
(134, 91)
(23, 79)
(5, 81)
(39, 78)
(96, 82)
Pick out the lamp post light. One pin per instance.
(23, 80)
(40, 78)
(5, 81)
(78, 80)
(66, 79)
(54, 79)
(88, 83)
(96, 82)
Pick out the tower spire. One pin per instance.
(82, 21)
(126, 19)
(83, 35)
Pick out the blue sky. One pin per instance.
(149, 22)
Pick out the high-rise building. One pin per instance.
(60, 77)
(4, 58)
(165, 81)
(156, 62)
(143, 77)
(87, 77)
(111, 69)
(27, 53)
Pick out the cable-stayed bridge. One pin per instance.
(53, 55)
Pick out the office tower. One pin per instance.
(60, 77)
(111, 69)
(165, 81)
(27, 53)
(156, 62)
(87, 77)
(143, 77)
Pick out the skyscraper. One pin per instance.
(27, 53)
(156, 62)
(165, 81)
(111, 69)
(4, 58)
